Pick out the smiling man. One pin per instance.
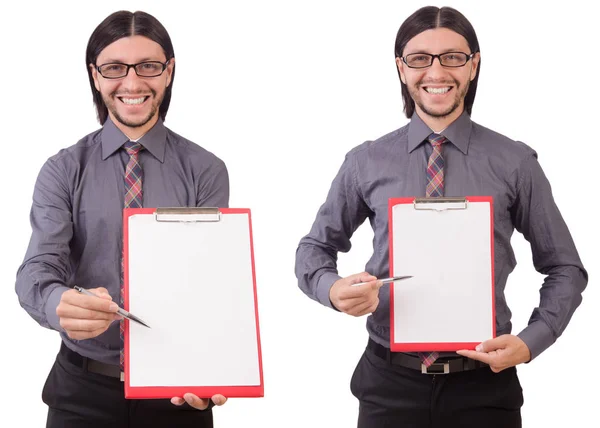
(76, 219)
(442, 152)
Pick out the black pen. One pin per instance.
(121, 311)
(384, 280)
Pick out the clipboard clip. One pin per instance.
(440, 204)
(187, 215)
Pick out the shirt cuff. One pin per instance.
(324, 285)
(538, 337)
(51, 305)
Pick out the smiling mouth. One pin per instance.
(133, 101)
(437, 91)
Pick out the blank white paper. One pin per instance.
(192, 283)
(449, 299)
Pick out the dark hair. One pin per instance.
(428, 18)
(125, 24)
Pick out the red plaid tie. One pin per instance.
(435, 188)
(435, 167)
(133, 199)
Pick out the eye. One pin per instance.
(151, 66)
(112, 67)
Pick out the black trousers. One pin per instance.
(394, 396)
(77, 399)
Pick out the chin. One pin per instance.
(439, 111)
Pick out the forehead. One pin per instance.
(437, 40)
(131, 50)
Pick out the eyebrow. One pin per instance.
(422, 51)
(114, 60)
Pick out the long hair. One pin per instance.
(126, 24)
(428, 18)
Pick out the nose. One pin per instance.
(436, 68)
(131, 80)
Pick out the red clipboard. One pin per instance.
(447, 244)
(189, 274)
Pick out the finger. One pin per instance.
(178, 401)
(475, 355)
(66, 310)
(497, 369)
(353, 292)
(490, 345)
(219, 399)
(101, 292)
(75, 324)
(353, 306)
(82, 335)
(194, 401)
(373, 307)
(361, 277)
(366, 308)
(94, 303)
(358, 278)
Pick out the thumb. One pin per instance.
(366, 277)
(360, 277)
(491, 344)
(102, 293)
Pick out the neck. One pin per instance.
(135, 132)
(437, 123)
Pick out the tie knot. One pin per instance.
(436, 139)
(132, 148)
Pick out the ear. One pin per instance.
(400, 65)
(169, 70)
(95, 76)
(474, 65)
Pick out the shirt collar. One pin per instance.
(458, 132)
(154, 140)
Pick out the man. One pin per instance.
(441, 152)
(76, 218)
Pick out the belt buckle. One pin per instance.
(436, 368)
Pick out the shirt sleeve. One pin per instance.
(43, 276)
(213, 186)
(537, 217)
(338, 218)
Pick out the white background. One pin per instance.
(281, 91)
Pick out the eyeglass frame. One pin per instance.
(438, 56)
(129, 66)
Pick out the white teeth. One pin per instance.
(132, 101)
(437, 90)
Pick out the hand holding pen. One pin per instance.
(120, 311)
(358, 294)
(83, 316)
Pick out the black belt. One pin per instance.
(87, 364)
(442, 365)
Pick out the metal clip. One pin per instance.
(440, 204)
(187, 215)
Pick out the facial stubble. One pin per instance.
(112, 99)
(460, 96)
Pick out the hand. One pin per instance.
(198, 403)
(356, 301)
(84, 317)
(500, 353)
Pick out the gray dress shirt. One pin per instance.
(76, 218)
(478, 161)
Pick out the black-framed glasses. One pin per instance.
(448, 59)
(118, 70)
